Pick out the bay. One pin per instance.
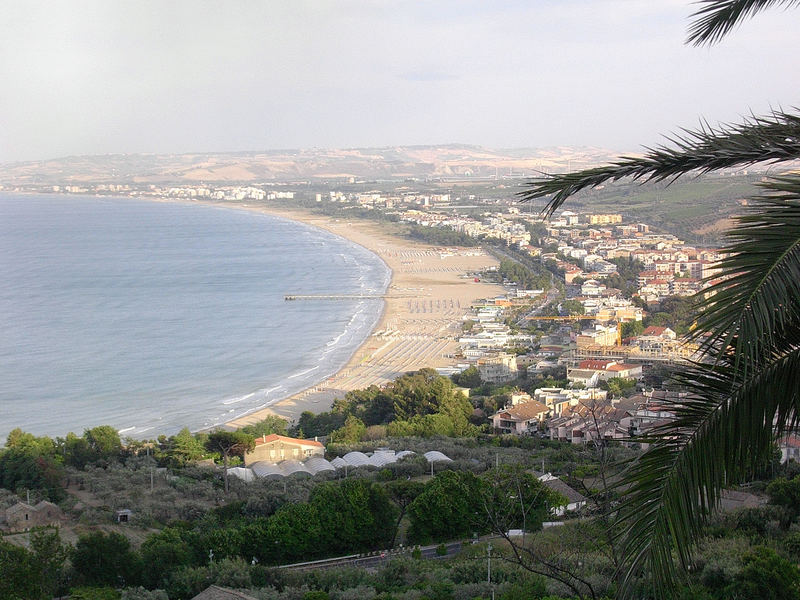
(153, 316)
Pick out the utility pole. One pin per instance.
(151, 480)
(489, 563)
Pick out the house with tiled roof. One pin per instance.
(275, 448)
(520, 419)
(790, 448)
(659, 332)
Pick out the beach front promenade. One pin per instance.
(426, 299)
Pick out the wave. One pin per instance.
(301, 373)
(238, 398)
(335, 340)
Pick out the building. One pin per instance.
(790, 448)
(520, 419)
(575, 500)
(604, 219)
(585, 377)
(498, 368)
(22, 516)
(599, 336)
(275, 448)
(608, 369)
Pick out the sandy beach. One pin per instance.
(426, 299)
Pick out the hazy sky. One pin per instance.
(110, 76)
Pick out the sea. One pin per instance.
(151, 316)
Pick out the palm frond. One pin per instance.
(716, 18)
(757, 293)
(772, 138)
(721, 429)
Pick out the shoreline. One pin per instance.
(424, 302)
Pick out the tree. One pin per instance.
(21, 574)
(632, 329)
(227, 444)
(402, 492)
(765, 576)
(748, 327)
(451, 505)
(786, 493)
(50, 555)
(268, 425)
(469, 378)
(350, 433)
(31, 463)
(105, 559)
(573, 307)
(514, 499)
(163, 553)
(103, 442)
(186, 447)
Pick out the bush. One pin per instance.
(93, 593)
(141, 593)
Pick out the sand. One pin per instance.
(428, 295)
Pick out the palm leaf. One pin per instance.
(747, 310)
(720, 430)
(716, 18)
(772, 138)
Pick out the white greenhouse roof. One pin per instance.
(436, 456)
(357, 459)
(381, 458)
(242, 473)
(317, 464)
(293, 467)
(264, 468)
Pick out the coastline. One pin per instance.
(422, 313)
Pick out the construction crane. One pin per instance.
(567, 318)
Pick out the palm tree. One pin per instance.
(745, 390)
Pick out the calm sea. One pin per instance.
(151, 316)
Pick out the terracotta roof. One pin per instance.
(621, 367)
(274, 437)
(791, 441)
(595, 364)
(653, 330)
(523, 412)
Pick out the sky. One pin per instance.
(130, 76)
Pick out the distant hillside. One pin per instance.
(698, 209)
(401, 162)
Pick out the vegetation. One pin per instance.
(422, 403)
(746, 391)
(526, 277)
(441, 236)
